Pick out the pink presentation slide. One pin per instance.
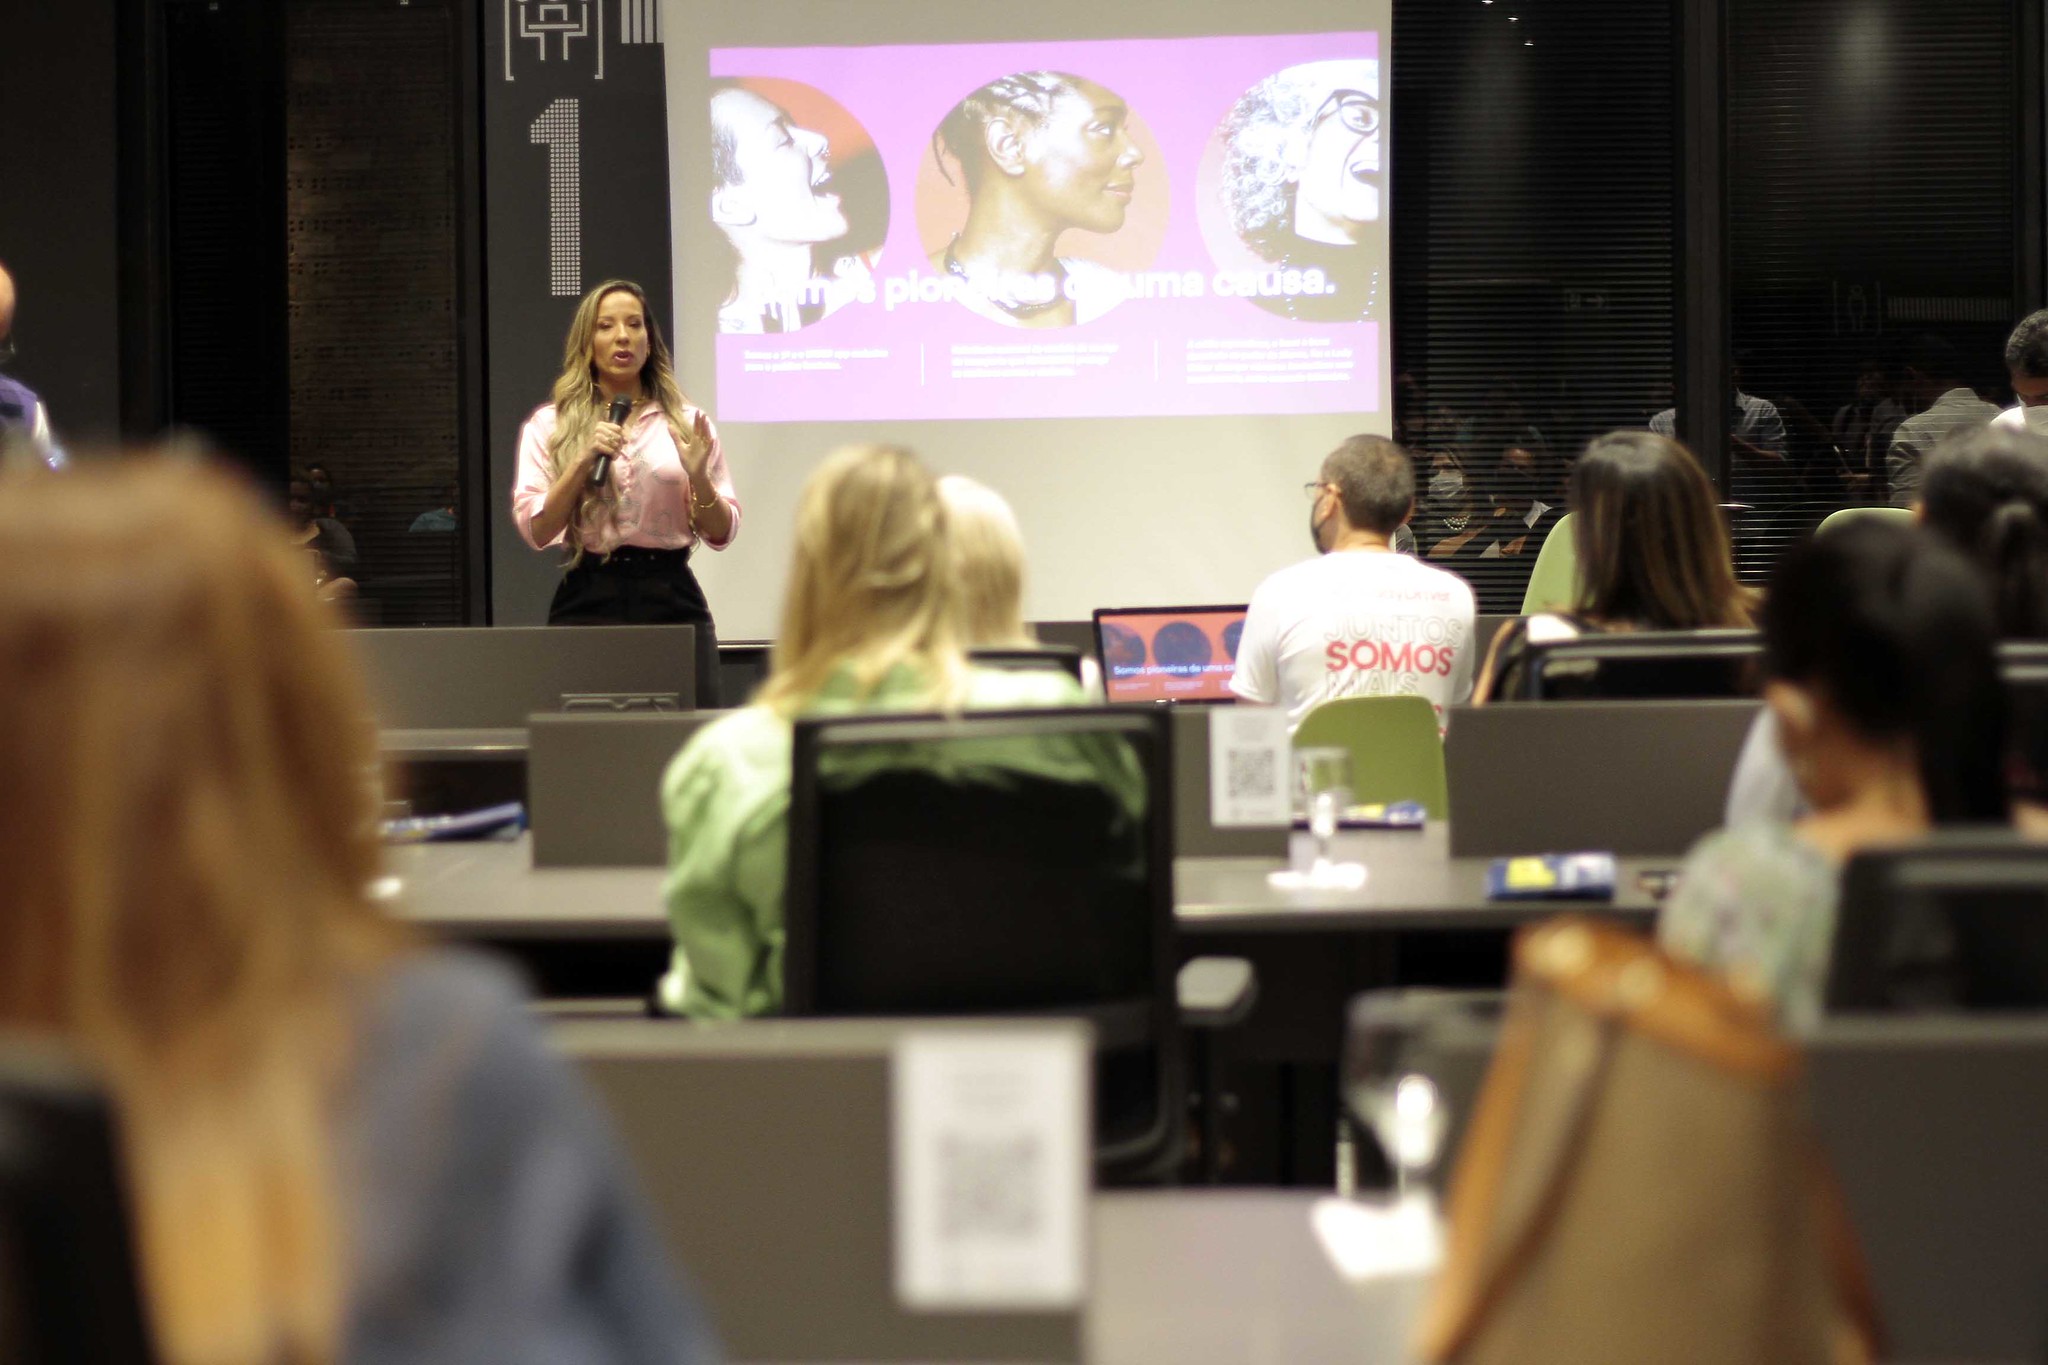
(1144, 227)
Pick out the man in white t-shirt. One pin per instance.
(1359, 620)
(2026, 361)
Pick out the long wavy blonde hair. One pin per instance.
(871, 585)
(188, 798)
(988, 556)
(579, 406)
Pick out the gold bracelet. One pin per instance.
(696, 506)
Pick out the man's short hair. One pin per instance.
(2026, 350)
(1375, 481)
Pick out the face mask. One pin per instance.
(1315, 530)
(2036, 420)
(1445, 485)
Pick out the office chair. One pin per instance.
(1643, 665)
(68, 1285)
(1554, 582)
(932, 873)
(1397, 752)
(1959, 922)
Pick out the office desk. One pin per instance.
(490, 890)
(1412, 882)
(497, 745)
(1233, 1278)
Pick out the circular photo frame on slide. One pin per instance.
(790, 165)
(1291, 193)
(1047, 156)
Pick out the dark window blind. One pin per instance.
(1535, 162)
(372, 200)
(1872, 172)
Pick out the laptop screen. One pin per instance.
(1152, 654)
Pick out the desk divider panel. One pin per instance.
(1638, 778)
(593, 785)
(1194, 834)
(476, 677)
(766, 1149)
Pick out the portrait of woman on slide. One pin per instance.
(1302, 174)
(1039, 153)
(776, 200)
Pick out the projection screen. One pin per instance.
(1127, 267)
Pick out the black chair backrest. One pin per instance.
(1957, 922)
(1032, 658)
(929, 877)
(2023, 665)
(68, 1284)
(1642, 665)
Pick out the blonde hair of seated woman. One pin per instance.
(988, 555)
(871, 587)
(186, 785)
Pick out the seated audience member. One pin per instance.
(1879, 658)
(330, 548)
(872, 621)
(2026, 364)
(1358, 620)
(1945, 407)
(340, 1146)
(1986, 495)
(988, 556)
(1652, 554)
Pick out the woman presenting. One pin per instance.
(630, 498)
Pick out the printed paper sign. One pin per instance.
(1248, 757)
(992, 1156)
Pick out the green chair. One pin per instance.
(1848, 514)
(1397, 754)
(1554, 582)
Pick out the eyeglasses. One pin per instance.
(1357, 110)
(1313, 490)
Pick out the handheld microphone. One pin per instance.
(622, 407)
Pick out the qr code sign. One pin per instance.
(1254, 775)
(990, 1187)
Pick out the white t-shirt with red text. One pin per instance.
(1357, 623)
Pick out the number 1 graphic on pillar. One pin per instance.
(560, 129)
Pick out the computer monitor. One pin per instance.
(1156, 654)
(1644, 665)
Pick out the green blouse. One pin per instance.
(726, 801)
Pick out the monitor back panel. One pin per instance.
(1637, 778)
(766, 1150)
(593, 785)
(474, 677)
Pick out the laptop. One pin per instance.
(1167, 654)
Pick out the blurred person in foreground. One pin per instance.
(1986, 495)
(1881, 675)
(873, 619)
(340, 1146)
